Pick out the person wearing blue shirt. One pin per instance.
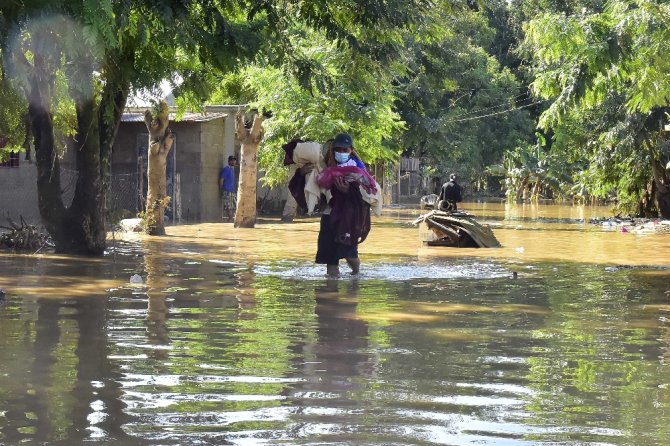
(227, 188)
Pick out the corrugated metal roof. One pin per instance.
(187, 117)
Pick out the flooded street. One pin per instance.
(236, 337)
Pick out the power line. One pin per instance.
(496, 113)
(492, 88)
(493, 106)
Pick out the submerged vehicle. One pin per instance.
(456, 230)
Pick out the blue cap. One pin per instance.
(343, 140)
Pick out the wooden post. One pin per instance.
(399, 165)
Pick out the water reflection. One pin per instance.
(57, 380)
(337, 368)
(235, 338)
(157, 269)
(342, 345)
(340, 352)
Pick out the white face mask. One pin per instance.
(341, 157)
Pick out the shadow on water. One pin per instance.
(235, 337)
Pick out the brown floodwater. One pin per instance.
(234, 336)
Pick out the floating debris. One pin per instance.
(653, 226)
(457, 230)
(636, 225)
(24, 237)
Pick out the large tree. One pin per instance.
(432, 76)
(329, 82)
(608, 70)
(345, 92)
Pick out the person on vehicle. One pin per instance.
(450, 194)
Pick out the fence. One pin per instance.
(127, 197)
(18, 193)
(124, 197)
(409, 183)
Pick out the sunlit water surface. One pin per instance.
(236, 337)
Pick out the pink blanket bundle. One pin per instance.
(350, 173)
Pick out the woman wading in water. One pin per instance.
(345, 222)
(349, 192)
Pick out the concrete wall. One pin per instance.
(219, 143)
(212, 158)
(201, 149)
(124, 152)
(230, 144)
(18, 194)
(199, 153)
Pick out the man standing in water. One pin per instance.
(450, 194)
(227, 188)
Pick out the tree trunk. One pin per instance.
(79, 229)
(663, 196)
(28, 138)
(85, 219)
(661, 182)
(113, 101)
(245, 216)
(160, 143)
(535, 195)
(522, 191)
(647, 205)
(291, 206)
(49, 197)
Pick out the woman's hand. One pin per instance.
(306, 169)
(341, 184)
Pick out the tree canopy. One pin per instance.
(424, 93)
(604, 72)
(461, 107)
(346, 91)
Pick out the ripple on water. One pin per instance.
(463, 269)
